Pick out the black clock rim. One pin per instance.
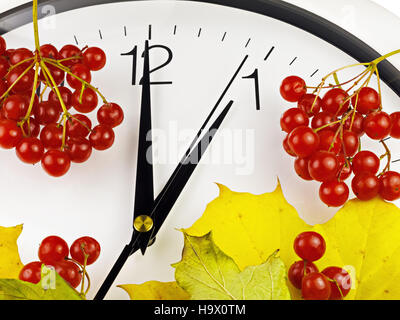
(276, 9)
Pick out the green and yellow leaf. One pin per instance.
(10, 262)
(155, 290)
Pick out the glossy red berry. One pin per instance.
(66, 95)
(329, 141)
(293, 118)
(49, 51)
(31, 129)
(377, 125)
(340, 281)
(15, 107)
(110, 114)
(10, 134)
(303, 141)
(351, 143)
(53, 249)
(102, 137)
(286, 147)
(308, 102)
(390, 186)
(316, 286)
(334, 193)
(57, 74)
(31, 272)
(88, 103)
(334, 101)
(293, 88)
(322, 119)
(323, 166)
(30, 150)
(70, 51)
(82, 72)
(23, 82)
(78, 126)
(56, 163)
(395, 119)
(47, 112)
(88, 246)
(3, 45)
(355, 124)
(4, 67)
(367, 100)
(344, 168)
(94, 58)
(365, 186)
(298, 270)
(301, 168)
(309, 246)
(69, 271)
(78, 149)
(51, 136)
(19, 55)
(365, 161)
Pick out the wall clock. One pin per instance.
(201, 55)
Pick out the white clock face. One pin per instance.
(205, 45)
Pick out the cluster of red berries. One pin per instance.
(54, 251)
(39, 126)
(324, 136)
(333, 283)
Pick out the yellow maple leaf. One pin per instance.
(155, 290)
(363, 237)
(10, 262)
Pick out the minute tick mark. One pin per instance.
(175, 30)
(247, 43)
(223, 37)
(293, 61)
(149, 31)
(76, 40)
(125, 32)
(199, 33)
(314, 73)
(269, 53)
(101, 36)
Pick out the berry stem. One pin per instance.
(35, 25)
(18, 79)
(388, 155)
(35, 81)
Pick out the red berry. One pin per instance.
(309, 101)
(340, 282)
(49, 51)
(323, 118)
(66, 95)
(10, 134)
(53, 249)
(4, 66)
(350, 143)
(287, 148)
(356, 124)
(94, 58)
(80, 71)
(309, 246)
(334, 101)
(78, 126)
(88, 103)
(367, 100)
(365, 186)
(110, 114)
(32, 129)
(334, 193)
(47, 112)
(69, 51)
(57, 74)
(85, 245)
(3, 45)
(301, 168)
(15, 107)
(31, 272)
(292, 119)
(395, 119)
(56, 163)
(329, 141)
(30, 150)
(102, 137)
(20, 55)
(323, 166)
(78, 149)
(303, 141)
(344, 168)
(69, 271)
(316, 286)
(365, 161)
(293, 88)
(25, 81)
(298, 270)
(390, 186)
(51, 136)
(377, 125)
